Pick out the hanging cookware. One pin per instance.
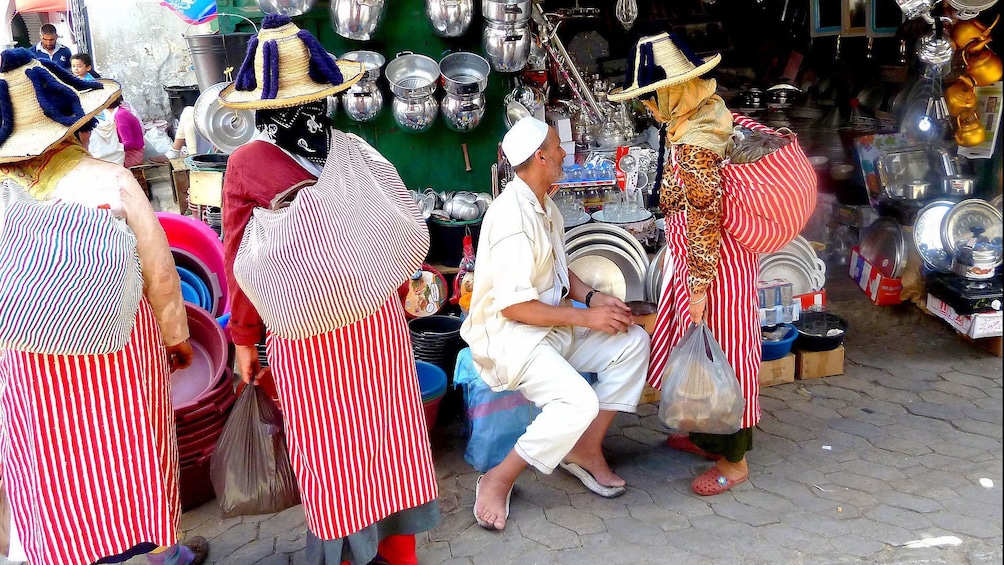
(507, 45)
(463, 112)
(499, 11)
(935, 50)
(363, 100)
(927, 236)
(916, 8)
(981, 63)
(964, 31)
(356, 19)
(291, 8)
(449, 18)
(968, 9)
(415, 114)
(411, 75)
(969, 131)
(960, 96)
(464, 73)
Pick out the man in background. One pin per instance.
(50, 48)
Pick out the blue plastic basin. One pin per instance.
(431, 380)
(777, 349)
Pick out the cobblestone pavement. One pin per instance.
(845, 469)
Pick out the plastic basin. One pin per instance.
(811, 329)
(209, 345)
(198, 239)
(777, 349)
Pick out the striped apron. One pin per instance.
(765, 205)
(354, 421)
(88, 449)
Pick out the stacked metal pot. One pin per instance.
(507, 37)
(363, 100)
(413, 79)
(449, 18)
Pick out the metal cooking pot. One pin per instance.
(363, 100)
(782, 96)
(463, 113)
(449, 18)
(959, 185)
(415, 115)
(356, 19)
(507, 45)
(916, 190)
(975, 263)
(464, 73)
(506, 12)
(411, 75)
(290, 8)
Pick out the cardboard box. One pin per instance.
(561, 123)
(815, 364)
(976, 326)
(778, 371)
(569, 147)
(882, 290)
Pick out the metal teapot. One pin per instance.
(960, 96)
(981, 63)
(969, 131)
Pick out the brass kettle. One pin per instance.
(960, 96)
(964, 31)
(969, 131)
(981, 63)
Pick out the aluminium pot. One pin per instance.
(411, 75)
(507, 45)
(449, 18)
(291, 8)
(356, 19)
(506, 12)
(958, 185)
(464, 73)
(976, 263)
(463, 113)
(415, 114)
(363, 100)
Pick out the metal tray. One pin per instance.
(640, 260)
(927, 236)
(608, 269)
(610, 229)
(884, 246)
(959, 222)
(654, 274)
(786, 268)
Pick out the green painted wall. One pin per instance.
(432, 158)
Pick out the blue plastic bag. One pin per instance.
(495, 420)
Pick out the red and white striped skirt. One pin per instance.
(354, 421)
(731, 312)
(88, 449)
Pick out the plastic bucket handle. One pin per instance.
(225, 14)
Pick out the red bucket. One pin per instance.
(431, 407)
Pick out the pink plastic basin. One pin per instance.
(194, 237)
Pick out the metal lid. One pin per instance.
(927, 236)
(959, 223)
(884, 246)
(226, 128)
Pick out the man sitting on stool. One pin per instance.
(525, 335)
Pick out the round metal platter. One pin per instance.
(609, 269)
(620, 233)
(653, 275)
(927, 236)
(884, 246)
(957, 225)
(606, 239)
(226, 128)
(792, 270)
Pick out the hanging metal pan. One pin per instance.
(226, 128)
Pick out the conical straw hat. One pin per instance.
(659, 61)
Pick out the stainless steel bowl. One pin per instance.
(371, 60)
(916, 190)
(291, 8)
(449, 18)
(959, 185)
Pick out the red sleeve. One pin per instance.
(256, 172)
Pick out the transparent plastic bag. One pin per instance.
(700, 391)
(250, 467)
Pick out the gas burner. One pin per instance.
(977, 285)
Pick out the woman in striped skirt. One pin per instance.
(343, 367)
(91, 323)
(711, 263)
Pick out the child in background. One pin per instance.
(82, 66)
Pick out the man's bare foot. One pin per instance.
(491, 502)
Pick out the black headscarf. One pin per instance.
(303, 130)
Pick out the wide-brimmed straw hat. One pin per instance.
(659, 61)
(286, 66)
(42, 104)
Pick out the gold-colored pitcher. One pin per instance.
(969, 131)
(982, 63)
(960, 96)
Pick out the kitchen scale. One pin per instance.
(966, 296)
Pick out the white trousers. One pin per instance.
(551, 380)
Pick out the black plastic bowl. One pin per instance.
(814, 342)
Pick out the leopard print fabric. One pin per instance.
(701, 197)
